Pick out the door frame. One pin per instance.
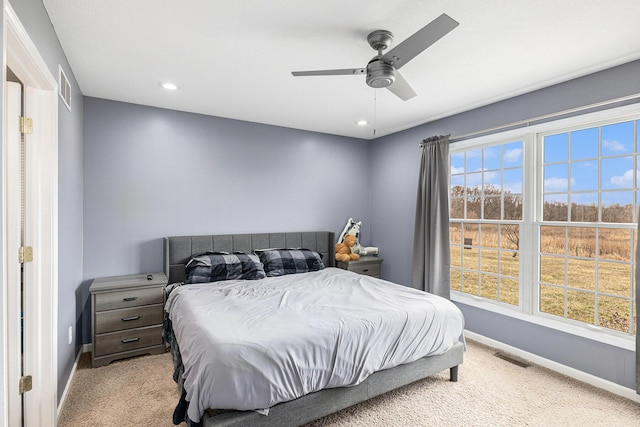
(41, 104)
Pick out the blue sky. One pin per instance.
(507, 156)
(571, 163)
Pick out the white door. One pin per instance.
(13, 181)
(30, 294)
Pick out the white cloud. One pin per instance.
(615, 146)
(474, 179)
(490, 177)
(624, 180)
(557, 184)
(491, 152)
(455, 170)
(513, 155)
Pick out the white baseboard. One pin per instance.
(557, 367)
(84, 349)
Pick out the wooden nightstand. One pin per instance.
(127, 314)
(368, 265)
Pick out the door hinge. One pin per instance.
(25, 254)
(26, 384)
(26, 125)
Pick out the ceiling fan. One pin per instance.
(382, 70)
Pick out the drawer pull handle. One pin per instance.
(129, 319)
(127, 341)
(130, 299)
(364, 270)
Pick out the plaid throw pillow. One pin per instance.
(214, 267)
(278, 262)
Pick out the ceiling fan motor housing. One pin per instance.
(380, 74)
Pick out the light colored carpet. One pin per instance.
(489, 392)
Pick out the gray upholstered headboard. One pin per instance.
(178, 249)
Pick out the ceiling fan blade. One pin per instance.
(346, 71)
(415, 44)
(401, 88)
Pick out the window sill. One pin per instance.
(589, 332)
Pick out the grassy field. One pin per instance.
(569, 290)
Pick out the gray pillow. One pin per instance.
(216, 266)
(278, 262)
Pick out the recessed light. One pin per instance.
(362, 122)
(167, 85)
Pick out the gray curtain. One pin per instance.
(431, 257)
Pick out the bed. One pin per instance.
(297, 402)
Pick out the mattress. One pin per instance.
(250, 344)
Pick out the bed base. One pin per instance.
(324, 402)
(313, 406)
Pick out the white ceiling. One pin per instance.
(234, 58)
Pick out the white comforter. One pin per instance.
(251, 344)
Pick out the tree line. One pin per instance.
(507, 206)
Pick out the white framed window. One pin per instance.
(486, 207)
(587, 227)
(543, 223)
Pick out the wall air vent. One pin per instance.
(64, 88)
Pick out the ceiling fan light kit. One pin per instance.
(382, 70)
(380, 74)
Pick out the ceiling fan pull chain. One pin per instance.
(375, 110)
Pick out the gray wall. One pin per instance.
(395, 160)
(34, 18)
(150, 173)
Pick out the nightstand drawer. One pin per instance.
(128, 318)
(132, 339)
(367, 265)
(128, 298)
(370, 269)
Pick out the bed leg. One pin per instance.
(453, 374)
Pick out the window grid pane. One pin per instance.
(586, 268)
(486, 203)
